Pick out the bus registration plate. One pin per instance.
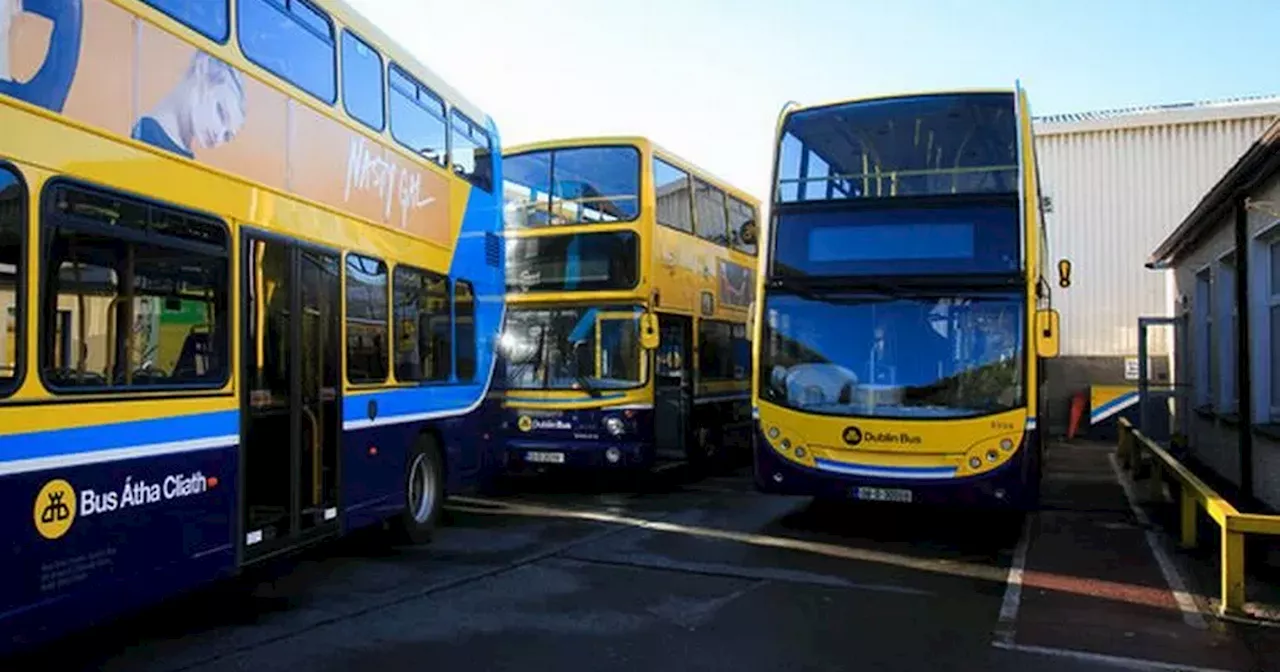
(883, 494)
(545, 457)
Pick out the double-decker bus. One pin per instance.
(904, 307)
(630, 273)
(251, 278)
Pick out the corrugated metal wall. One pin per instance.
(1117, 193)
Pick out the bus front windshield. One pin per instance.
(583, 348)
(574, 185)
(901, 356)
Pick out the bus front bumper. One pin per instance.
(1005, 487)
(576, 440)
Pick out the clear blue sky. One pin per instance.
(706, 78)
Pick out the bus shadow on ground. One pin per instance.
(920, 531)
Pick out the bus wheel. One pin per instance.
(424, 492)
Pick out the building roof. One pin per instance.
(1258, 163)
(1159, 115)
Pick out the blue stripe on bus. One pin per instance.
(880, 471)
(95, 438)
(404, 405)
(1112, 407)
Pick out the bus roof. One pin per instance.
(639, 141)
(891, 96)
(393, 50)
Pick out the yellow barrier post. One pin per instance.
(1125, 448)
(1232, 571)
(1188, 506)
(1155, 473)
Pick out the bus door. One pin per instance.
(292, 395)
(673, 387)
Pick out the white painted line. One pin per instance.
(116, 454)
(1007, 624)
(1103, 659)
(1190, 612)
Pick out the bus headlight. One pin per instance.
(975, 462)
(1006, 445)
(614, 425)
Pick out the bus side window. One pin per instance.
(169, 326)
(464, 315)
(13, 217)
(711, 221)
(207, 18)
(366, 319)
(424, 330)
(675, 196)
(294, 40)
(417, 117)
(362, 91)
(742, 219)
(471, 151)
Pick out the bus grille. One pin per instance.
(493, 250)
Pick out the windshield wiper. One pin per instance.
(586, 385)
(572, 349)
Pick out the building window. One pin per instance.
(1225, 301)
(293, 39)
(362, 90)
(138, 295)
(424, 326)
(13, 229)
(1273, 320)
(1205, 356)
(366, 320)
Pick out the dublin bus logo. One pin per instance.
(55, 509)
(852, 436)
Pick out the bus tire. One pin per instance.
(424, 492)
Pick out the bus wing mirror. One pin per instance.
(1047, 333)
(649, 338)
(1064, 273)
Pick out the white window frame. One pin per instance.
(1202, 326)
(1225, 342)
(1266, 401)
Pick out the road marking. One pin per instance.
(765, 574)
(1190, 612)
(951, 568)
(1103, 659)
(1013, 586)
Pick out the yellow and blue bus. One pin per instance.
(904, 309)
(630, 272)
(251, 281)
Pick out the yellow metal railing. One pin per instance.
(1197, 494)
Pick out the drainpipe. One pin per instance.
(1244, 384)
